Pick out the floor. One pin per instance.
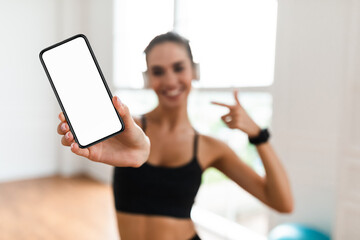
(77, 208)
(57, 208)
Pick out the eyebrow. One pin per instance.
(178, 63)
(155, 67)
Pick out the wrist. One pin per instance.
(254, 132)
(262, 137)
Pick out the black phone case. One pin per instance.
(57, 95)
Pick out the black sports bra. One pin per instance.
(158, 190)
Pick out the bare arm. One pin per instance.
(277, 186)
(274, 189)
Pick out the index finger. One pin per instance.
(236, 97)
(221, 104)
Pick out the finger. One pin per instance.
(84, 152)
(229, 121)
(229, 124)
(226, 118)
(62, 117)
(63, 128)
(65, 142)
(123, 111)
(221, 104)
(232, 125)
(67, 139)
(236, 97)
(225, 115)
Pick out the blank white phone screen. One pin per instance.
(82, 92)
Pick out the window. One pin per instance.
(234, 40)
(136, 23)
(234, 43)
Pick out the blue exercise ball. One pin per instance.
(294, 231)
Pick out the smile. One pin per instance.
(173, 93)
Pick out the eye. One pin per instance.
(178, 68)
(157, 71)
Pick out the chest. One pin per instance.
(171, 150)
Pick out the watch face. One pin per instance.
(263, 136)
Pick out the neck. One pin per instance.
(171, 118)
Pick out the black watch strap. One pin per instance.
(263, 136)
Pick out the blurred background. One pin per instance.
(295, 64)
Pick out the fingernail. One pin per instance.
(72, 145)
(67, 135)
(63, 127)
(120, 102)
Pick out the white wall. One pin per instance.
(28, 108)
(348, 193)
(315, 106)
(29, 144)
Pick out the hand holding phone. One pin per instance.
(131, 148)
(91, 118)
(81, 90)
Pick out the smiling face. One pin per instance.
(170, 73)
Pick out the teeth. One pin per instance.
(172, 93)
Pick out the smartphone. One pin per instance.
(81, 90)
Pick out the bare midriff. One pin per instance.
(143, 227)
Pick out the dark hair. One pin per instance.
(170, 37)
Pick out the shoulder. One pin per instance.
(212, 149)
(211, 142)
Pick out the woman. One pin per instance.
(154, 200)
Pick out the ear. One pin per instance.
(146, 80)
(196, 71)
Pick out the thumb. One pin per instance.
(123, 111)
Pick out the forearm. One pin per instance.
(274, 190)
(277, 186)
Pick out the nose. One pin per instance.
(170, 78)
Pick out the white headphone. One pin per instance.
(196, 69)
